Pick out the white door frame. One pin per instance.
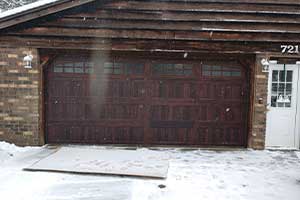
(297, 135)
(297, 117)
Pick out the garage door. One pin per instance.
(95, 101)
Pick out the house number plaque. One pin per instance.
(289, 49)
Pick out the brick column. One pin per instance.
(19, 97)
(258, 126)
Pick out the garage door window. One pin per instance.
(79, 67)
(89, 67)
(112, 68)
(58, 69)
(217, 71)
(74, 67)
(172, 69)
(68, 68)
(119, 68)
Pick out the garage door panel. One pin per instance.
(171, 124)
(183, 113)
(75, 133)
(234, 91)
(122, 111)
(103, 135)
(160, 112)
(128, 135)
(137, 89)
(232, 113)
(222, 112)
(68, 88)
(202, 134)
(126, 88)
(202, 112)
(223, 90)
(117, 89)
(219, 135)
(55, 109)
(117, 135)
(77, 88)
(73, 111)
(95, 134)
(172, 101)
(171, 135)
(96, 87)
(207, 91)
(57, 88)
(182, 89)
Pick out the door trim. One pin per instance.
(297, 126)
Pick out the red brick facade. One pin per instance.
(19, 97)
(258, 115)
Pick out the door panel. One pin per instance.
(145, 102)
(282, 106)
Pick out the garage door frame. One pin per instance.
(245, 61)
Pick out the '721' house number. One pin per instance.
(290, 49)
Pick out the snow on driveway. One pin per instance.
(193, 175)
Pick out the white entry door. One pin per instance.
(282, 129)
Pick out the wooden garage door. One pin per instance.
(146, 102)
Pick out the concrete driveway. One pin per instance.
(193, 174)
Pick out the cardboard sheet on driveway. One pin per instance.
(140, 162)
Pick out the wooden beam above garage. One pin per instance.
(151, 45)
(158, 25)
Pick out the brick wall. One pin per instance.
(258, 126)
(19, 97)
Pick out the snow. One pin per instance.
(26, 7)
(8, 151)
(298, 154)
(193, 175)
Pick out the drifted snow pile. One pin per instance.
(8, 151)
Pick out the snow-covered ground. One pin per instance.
(195, 174)
(9, 151)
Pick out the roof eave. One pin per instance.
(40, 11)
